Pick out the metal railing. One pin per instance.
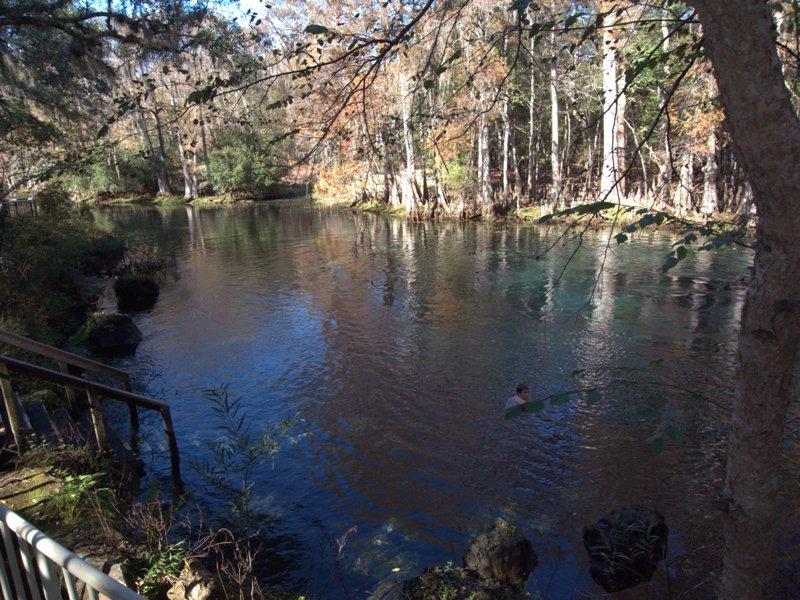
(35, 567)
(94, 392)
(7, 203)
(73, 364)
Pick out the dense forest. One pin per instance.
(475, 110)
(665, 111)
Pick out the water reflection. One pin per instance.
(397, 343)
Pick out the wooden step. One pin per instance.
(40, 422)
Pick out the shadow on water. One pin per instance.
(397, 344)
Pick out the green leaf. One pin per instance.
(621, 238)
(102, 131)
(316, 29)
(427, 84)
(681, 252)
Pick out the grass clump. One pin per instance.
(450, 582)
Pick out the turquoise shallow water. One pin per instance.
(395, 345)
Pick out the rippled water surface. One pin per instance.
(395, 346)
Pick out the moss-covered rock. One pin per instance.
(135, 292)
(111, 334)
(625, 547)
(501, 554)
(456, 583)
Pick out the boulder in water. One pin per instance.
(501, 554)
(135, 292)
(625, 547)
(111, 334)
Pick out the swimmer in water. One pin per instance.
(520, 398)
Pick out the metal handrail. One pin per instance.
(66, 360)
(30, 569)
(62, 356)
(94, 391)
(26, 368)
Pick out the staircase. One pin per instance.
(55, 426)
(26, 423)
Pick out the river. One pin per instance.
(392, 347)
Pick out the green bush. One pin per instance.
(53, 198)
(241, 162)
(456, 176)
(40, 260)
(96, 175)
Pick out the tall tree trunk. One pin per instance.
(710, 171)
(665, 175)
(532, 158)
(164, 188)
(610, 183)
(555, 145)
(408, 181)
(189, 178)
(506, 145)
(765, 131)
(484, 160)
(683, 195)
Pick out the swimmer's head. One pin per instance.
(523, 391)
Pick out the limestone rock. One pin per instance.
(135, 292)
(501, 554)
(111, 334)
(116, 568)
(195, 583)
(625, 547)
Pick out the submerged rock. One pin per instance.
(501, 554)
(195, 583)
(625, 547)
(135, 292)
(111, 334)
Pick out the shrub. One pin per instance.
(53, 198)
(77, 496)
(39, 260)
(135, 173)
(241, 162)
(456, 177)
(103, 254)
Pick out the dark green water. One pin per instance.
(397, 345)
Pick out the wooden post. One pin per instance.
(126, 385)
(72, 398)
(174, 458)
(14, 422)
(97, 420)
